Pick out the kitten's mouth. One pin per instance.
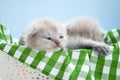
(58, 46)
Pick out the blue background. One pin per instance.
(18, 14)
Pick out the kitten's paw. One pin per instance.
(101, 49)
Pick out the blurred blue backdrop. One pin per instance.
(18, 14)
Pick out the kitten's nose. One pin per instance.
(57, 42)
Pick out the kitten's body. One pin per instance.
(86, 33)
(45, 34)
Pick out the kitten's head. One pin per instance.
(46, 34)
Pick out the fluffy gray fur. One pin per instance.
(85, 32)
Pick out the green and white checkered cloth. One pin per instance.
(4, 35)
(81, 64)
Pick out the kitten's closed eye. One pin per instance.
(49, 38)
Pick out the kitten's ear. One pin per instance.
(32, 33)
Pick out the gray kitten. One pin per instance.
(85, 32)
(49, 35)
(45, 34)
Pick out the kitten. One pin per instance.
(86, 33)
(49, 35)
(45, 34)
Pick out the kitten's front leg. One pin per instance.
(99, 47)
